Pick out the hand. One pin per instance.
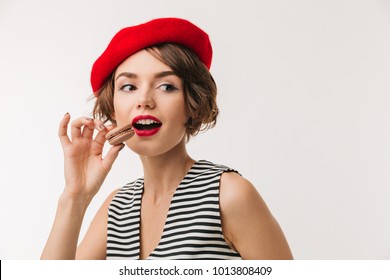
(85, 169)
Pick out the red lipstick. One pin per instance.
(146, 125)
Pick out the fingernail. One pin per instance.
(89, 119)
(102, 127)
(66, 114)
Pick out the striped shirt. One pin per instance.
(192, 228)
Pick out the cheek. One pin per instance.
(122, 109)
(179, 114)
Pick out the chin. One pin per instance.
(149, 149)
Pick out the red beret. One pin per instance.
(132, 39)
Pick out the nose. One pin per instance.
(146, 100)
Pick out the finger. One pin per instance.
(98, 125)
(103, 130)
(87, 131)
(112, 155)
(77, 124)
(101, 137)
(63, 130)
(110, 127)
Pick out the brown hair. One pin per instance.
(199, 88)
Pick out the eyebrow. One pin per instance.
(161, 74)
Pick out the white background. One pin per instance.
(304, 94)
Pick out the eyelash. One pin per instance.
(169, 87)
(128, 85)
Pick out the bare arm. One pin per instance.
(247, 223)
(85, 171)
(94, 244)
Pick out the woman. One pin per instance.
(155, 76)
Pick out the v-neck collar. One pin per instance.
(166, 218)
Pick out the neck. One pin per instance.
(163, 173)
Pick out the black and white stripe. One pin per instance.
(193, 226)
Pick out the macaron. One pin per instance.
(120, 134)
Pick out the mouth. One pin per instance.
(146, 125)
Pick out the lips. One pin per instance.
(146, 125)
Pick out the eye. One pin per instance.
(128, 87)
(167, 87)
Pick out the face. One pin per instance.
(148, 95)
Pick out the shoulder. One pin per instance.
(239, 197)
(236, 189)
(247, 223)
